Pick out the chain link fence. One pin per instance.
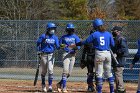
(18, 52)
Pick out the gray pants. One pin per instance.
(47, 63)
(68, 62)
(119, 77)
(103, 63)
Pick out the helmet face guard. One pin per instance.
(51, 28)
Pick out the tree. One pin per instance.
(21, 9)
(128, 9)
(100, 8)
(74, 9)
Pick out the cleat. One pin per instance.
(44, 88)
(64, 91)
(58, 87)
(49, 90)
(90, 89)
(121, 91)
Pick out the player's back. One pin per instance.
(102, 40)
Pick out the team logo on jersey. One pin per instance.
(70, 40)
(50, 41)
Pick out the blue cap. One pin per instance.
(97, 22)
(70, 25)
(51, 25)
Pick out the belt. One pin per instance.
(47, 52)
(101, 50)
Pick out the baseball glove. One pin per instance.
(62, 46)
(83, 64)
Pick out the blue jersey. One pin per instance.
(68, 40)
(47, 43)
(137, 55)
(138, 52)
(101, 40)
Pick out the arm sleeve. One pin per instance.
(88, 40)
(77, 41)
(57, 43)
(39, 41)
(60, 41)
(84, 52)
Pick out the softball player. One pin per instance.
(68, 55)
(121, 51)
(88, 59)
(102, 41)
(46, 45)
(136, 59)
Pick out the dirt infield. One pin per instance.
(26, 86)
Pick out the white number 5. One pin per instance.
(102, 41)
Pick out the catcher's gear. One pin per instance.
(83, 64)
(117, 28)
(37, 71)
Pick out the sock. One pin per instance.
(64, 80)
(111, 84)
(50, 79)
(99, 84)
(43, 79)
(90, 79)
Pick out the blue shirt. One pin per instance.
(138, 52)
(47, 43)
(101, 40)
(68, 40)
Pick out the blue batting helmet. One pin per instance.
(70, 25)
(51, 25)
(97, 22)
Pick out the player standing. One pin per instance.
(102, 41)
(136, 59)
(121, 52)
(68, 55)
(88, 61)
(46, 45)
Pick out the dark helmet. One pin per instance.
(117, 28)
(97, 22)
(70, 26)
(50, 25)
